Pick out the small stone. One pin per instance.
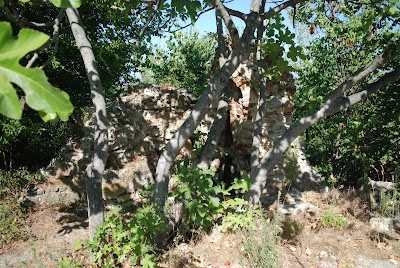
(323, 255)
(308, 252)
(381, 224)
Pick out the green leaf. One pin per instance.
(148, 261)
(40, 94)
(1, 3)
(67, 3)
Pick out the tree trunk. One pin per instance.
(332, 105)
(94, 170)
(241, 48)
(214, 134)
(173, 147)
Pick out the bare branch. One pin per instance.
(270, 13)
(53, 39)
(237, 14)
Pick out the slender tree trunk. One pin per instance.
(214, 134)
(94, 170)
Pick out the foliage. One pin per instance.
(332, 219)
(65, 262)
(260, 244)
(30, 142)
(10, 220)
(40, 95)
(126, 238)
(361, 140)
(236, 211)
(277, 38)
(185, 62)
(205, 201)
(199, 194)
(16, 181)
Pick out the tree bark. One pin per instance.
(94, 170)
(241, 49)
(332, 105)
(214, 134)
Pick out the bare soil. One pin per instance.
(306, 242)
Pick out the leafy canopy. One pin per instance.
(40, 94)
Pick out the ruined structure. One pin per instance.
(141, 123)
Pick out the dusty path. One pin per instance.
(53, 231)
(51, 234)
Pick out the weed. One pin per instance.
(290, 165)
(16, 181)
(332, 219)
(291, 228)
(67, 263)
(260, 244)
(389, 200)
(126, 239)
(10, 220)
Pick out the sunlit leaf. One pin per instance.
(40, 94)
(67, 3)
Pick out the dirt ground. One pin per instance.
(52, 232)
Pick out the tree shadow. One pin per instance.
(74, 216)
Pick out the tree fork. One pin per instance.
(332, 105)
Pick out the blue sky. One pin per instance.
(206, 22)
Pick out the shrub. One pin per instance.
(126, 238)
(185, 63)
(333, 219)
(10, 220)
(199, 194)
(260, 244)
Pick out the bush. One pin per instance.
(10, 220)
(260, 244)
(333, 219)
(126, 238)
(185, 63)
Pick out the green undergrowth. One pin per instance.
(330, 218)
(260, 243)
(12, 185)
(132, 238)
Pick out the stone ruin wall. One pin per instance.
(140, 125)
(243, 109)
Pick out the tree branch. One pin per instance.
(332, 105)
(358, 76)
(270, 13)
(237, 14)
(53, 39)
(230, 25)
(148, 21)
